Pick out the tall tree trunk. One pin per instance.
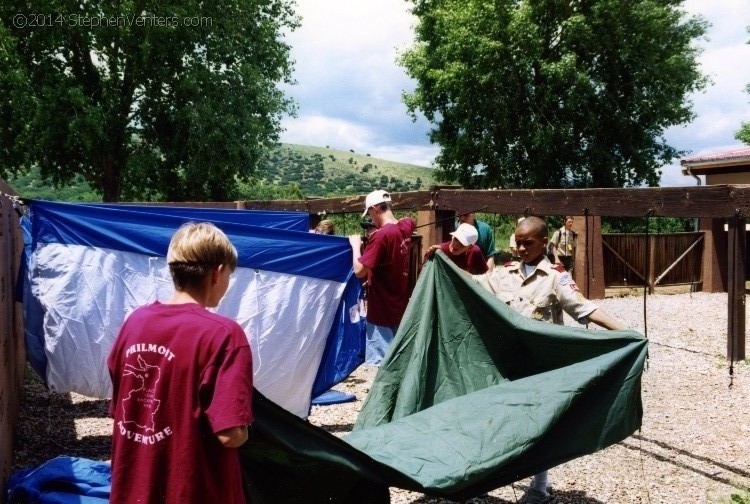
(111, 181)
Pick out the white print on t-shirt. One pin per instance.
(143, 397)
(149, 347)
(404, 247)
(140, 438)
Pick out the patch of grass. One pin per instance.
(736, 498)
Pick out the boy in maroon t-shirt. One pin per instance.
(462, 250)
(182, 384)
(385, 266)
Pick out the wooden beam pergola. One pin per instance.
(718, 202)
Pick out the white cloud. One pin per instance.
(337, 133)
(421, 155)
(322, 131)
(350, 86)
(346, 71)
(724, 105)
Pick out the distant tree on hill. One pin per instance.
(553, 94)
(259, 190)
(141, 109)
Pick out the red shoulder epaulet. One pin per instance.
(559, 267)
(508, 264)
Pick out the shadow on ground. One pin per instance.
(558, 497)
(46, 426)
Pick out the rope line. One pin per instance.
(647, 272)
(18, 203)
(589, 252)
(589, 255)
(644, 483)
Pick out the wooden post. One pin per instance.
(736, 316)
(714, 270)
(434, 226)
(589, 250)
(12, 350)
(651, 265)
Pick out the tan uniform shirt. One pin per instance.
(565, 242)
(543, 295)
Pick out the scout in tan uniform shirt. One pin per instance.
(563, 245)
(542, 295)
(537, 289)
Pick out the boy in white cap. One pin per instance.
(385, 267)
(462, 250)
(486, 240)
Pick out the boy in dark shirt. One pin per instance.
(182, 384)
(462, 250)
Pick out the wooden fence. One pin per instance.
(12, 354)
(665, 259)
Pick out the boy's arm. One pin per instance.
(491, 263)
(233, 437)
(602, 318)
(577, 306)
(553, 246)
(360, 270)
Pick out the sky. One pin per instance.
(349, 86)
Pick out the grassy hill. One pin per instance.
(321, 171)
(317, 171)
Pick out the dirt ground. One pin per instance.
(694, 445)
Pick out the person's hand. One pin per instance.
(355, 241)
(431, 251)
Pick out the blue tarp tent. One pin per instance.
(88, 266)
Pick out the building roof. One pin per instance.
(733, 161)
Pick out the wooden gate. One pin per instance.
(669, 259)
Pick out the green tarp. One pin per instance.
(472, 396)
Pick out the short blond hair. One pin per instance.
(195, 249)
(326, 226)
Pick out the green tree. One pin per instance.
(143, 99)
(743, 135)
(260, 190)
(546, 93)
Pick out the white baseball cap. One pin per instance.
(466, 234)
(375, 198)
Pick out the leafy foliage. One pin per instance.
(138, 103)
(31, 185)
(259, 190)
(655, 225)
(546, 94)
(743, 135)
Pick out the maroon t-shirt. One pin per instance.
(387, 256)
(180, 374)
(472, 260)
